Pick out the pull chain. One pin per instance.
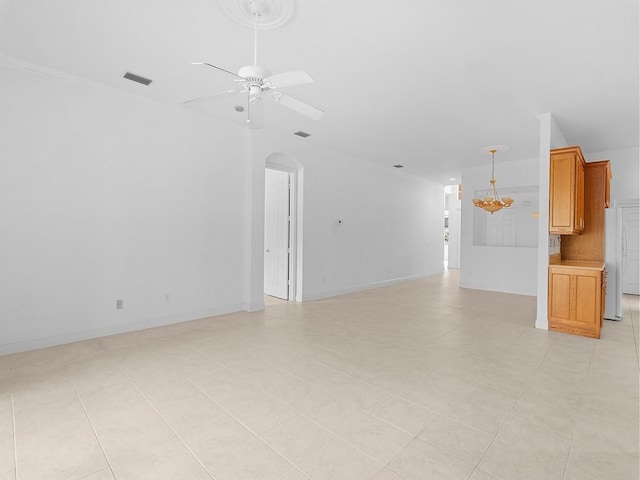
(493, 156)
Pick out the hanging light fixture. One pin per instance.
(492, 202)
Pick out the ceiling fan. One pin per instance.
(257, 81)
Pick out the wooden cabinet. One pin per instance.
(576, 298)
(601, 178)
(578, 195)
(590, 244)
(566, 191)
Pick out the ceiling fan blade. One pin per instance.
(299, 106)
(196, 101)
(287, 79)
(217, 68)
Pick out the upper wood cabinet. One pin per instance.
(566, 191)
(590, 244)
(602, 182)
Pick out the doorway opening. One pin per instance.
(627, 265)
(452, 209)
(630, 250)
(279, 236)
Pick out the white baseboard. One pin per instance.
(365, 286)
(542, 324)
(42, 342)
(253, 307)
(488, 288)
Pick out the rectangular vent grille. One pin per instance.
(302, 134)
(137, 78)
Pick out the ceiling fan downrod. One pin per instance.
(257, 8)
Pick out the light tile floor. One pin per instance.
(422, 380)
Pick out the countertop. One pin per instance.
(583, 264)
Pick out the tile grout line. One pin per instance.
(146, 399)
(294, 409)
(510, 412)
(255, 434)
(13, 419)
(414, 436)
(495, 437)
(84, 410)
(575, 425)
(92, 473)
(634, 324)
(271, 396)
(336, 396)
(302, 413)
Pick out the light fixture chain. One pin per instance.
(493, 164)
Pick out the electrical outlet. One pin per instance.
(119, 304)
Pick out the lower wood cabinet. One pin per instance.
(576, 300)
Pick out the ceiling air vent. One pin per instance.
(137, 78)
(398, 166)
(302, 134)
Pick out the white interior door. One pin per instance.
(276, 234)
(631, 250)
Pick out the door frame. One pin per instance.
(620, 205)
(292, 290)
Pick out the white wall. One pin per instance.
(105, 196)
(502, 269)
(391, 226)
(625, 185)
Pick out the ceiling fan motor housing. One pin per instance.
(254, 73)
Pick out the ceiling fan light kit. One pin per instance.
(492, 202)
(255, 80)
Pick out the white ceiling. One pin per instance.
(421, 83)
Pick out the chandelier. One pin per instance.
(493, 203)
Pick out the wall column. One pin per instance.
(254, 226)
(550, 137)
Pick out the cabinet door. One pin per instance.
(603, 296)
(559, 296)
(566, 191)
(562, 181)
(588, 294)
(579, 196)
(575, 301)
